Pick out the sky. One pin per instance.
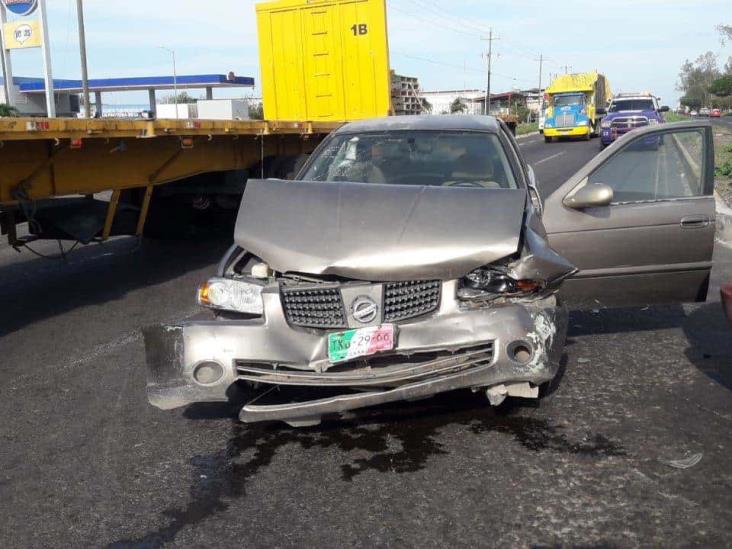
(638, 44)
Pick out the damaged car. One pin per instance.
(412, 256)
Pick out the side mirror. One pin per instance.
(664, 109)
(590, 196)
(601, 110)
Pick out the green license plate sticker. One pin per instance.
(360, 342)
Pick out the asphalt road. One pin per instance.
(85, 461)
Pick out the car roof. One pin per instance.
(435, 122)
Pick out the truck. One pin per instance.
(573, 101)
(628, 111)
(322, 63)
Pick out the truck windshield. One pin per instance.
(449, 159)
(567, 100)
(632, 105)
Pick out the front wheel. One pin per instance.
(547, 139)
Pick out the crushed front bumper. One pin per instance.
(457, 347)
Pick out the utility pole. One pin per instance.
(566, 68)
(541, 95)
(82, 50)
(488, 84)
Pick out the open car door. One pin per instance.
(638, 220)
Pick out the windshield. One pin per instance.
(449, 159)
(632, 105)
(567, 100)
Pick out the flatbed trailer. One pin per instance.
(42, 159)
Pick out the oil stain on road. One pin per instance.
(400, 439)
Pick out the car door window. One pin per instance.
(656, 167)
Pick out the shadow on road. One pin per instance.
(710, 343)
(36, 289)
(397, 438)
(706, 330)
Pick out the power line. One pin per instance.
(441, 26)
(455, 66)
(434, 62)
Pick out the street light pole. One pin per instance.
(46, 48)
(82, 50)
(175, 80)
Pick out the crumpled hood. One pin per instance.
(378, 232)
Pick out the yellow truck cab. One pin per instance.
(572, 103)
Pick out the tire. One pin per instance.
(547, 139)
(589, 134)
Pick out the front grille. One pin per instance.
(565, 121)
(403, 300)
(629, 123)
(323, 307)
(314, 307)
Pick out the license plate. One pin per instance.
(360, 342)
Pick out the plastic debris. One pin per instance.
(683, 463)
(583, 360)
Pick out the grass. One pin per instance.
(673, 117)
(523, 129)
(723, 163)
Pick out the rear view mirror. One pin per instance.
(663, 109)
(590, 196)
(601, 110)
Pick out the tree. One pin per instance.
(183, 97)
(458, 106)
(695, 79)
(725, 32)
(721, 87)
(256, 111)
(7, 110)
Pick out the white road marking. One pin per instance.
(548, 158)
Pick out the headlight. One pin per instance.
(491, 282)
(606, 123)
(231, 295)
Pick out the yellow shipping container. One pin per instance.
(324, 60)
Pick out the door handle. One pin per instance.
(694, 221)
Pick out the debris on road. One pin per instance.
(683, 463)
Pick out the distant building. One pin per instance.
(405, 94)
(441, 100)
(508, 102)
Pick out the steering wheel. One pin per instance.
(419, 178)
(467, 184)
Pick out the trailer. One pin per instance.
(323, 63)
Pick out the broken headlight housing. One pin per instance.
(238, 296)
(491, 282)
